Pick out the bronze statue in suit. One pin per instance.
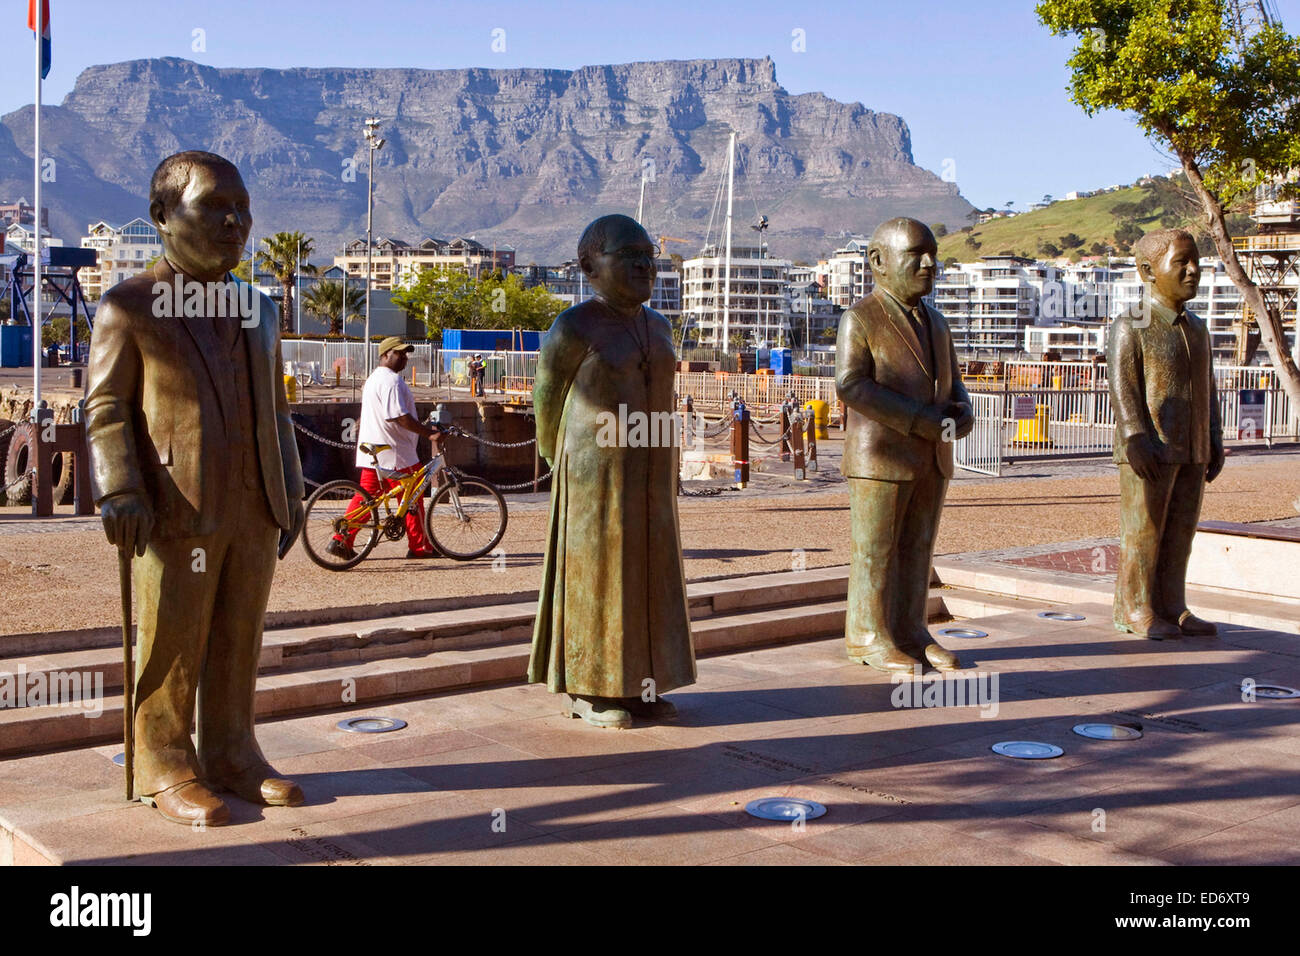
(196, 470)
(896, 372)
(1168, 440)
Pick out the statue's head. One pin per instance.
(903, 256)
(199, 204)
(1170, 265)
(619, 259)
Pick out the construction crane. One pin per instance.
(1272, 257)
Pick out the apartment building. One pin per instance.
(758, 310)
(846, 275)
(567, 281)
(24, 213)
(814, 318)
(123, 251)
(397, 263)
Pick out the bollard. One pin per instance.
(785, 427)
(687, 422)
(844, 419)
(796, 446)
(812, 439)
(740, 443)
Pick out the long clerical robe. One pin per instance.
(612, 607)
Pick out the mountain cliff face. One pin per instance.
(521, 157)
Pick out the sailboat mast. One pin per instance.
(726, 275)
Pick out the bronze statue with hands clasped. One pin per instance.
(896, 372)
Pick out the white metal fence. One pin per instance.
(508, 372)
(981, 450)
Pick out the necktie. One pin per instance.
(921, 327)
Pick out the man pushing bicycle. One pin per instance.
(389, 422)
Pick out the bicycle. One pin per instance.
(465, 519)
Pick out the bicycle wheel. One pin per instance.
(466, 518)
(327, 516)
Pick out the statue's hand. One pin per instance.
(1216, 464)
(929, 423)
(128, 521)
(1142, 458)
(297, 515)
(964, 416)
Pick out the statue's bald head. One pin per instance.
(903, 256)
(173, 175)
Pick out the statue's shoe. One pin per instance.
(657, 709)
(1193, 626)
(259, 785)
(599, 711)
(941, 658)
(884, 658)
(190, 804)
(1153, 628)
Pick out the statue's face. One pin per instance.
(205, 232)
(625, 271)
(1177, 274)
(906, 262)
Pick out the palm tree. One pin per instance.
(285, 255)
(325, 299)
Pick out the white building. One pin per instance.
(814, 318)
(123, 251)
(759, 306)
(1004, 306)
(847, 273)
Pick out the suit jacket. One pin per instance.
(885, 381)
(157, 407)
(1162, 385)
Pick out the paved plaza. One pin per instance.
(498, 776)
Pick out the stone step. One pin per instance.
(1065, 589)
(351, 642)
(285, 691)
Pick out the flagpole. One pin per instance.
(36, 256)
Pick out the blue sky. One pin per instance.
(980, 84)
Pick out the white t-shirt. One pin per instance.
(387, 396)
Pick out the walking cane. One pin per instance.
(128, 671)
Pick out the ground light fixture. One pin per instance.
(1027, 750)
(371, 724)
(785, 809)
(969, 632)
(1061, 616)
(1271, 691)
(1108, 731)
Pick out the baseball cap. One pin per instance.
(394, 343)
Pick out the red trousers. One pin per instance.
(414, 518)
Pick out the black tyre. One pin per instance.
(466, 519)
(326, 516)
(19, 462)
(65, 469)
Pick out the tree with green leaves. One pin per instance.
(325, 300)
(451, 298)
(1226, 105)
(284, 255)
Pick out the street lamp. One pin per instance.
(374, 141)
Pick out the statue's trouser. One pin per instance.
(894, 525)
(1157, 521)
(201, 603)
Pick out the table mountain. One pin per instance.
(521, 157)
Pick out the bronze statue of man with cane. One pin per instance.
(196, 471)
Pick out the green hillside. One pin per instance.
(1083, 227)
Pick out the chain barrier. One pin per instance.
(496, 444)
(517, 487)
(20, 479)
(700, 493)
(5, 433)
(321, 438)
